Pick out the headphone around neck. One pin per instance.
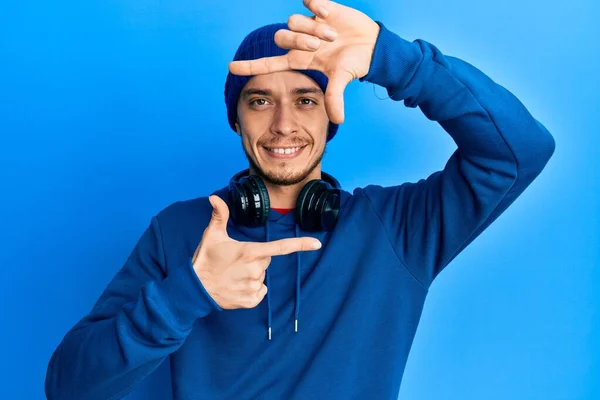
(317, 205)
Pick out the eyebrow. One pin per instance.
(266, 92)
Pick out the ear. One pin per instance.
(238, 129)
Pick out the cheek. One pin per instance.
(317, 118)
(317, 124)
(254, 127)
(250, 142)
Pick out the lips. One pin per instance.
(284, 151)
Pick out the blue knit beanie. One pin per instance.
(261, 43)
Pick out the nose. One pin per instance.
(285, 121)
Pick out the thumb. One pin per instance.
(220, 215)
(334, 97)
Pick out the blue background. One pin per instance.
(109, 111)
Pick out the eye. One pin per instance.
(307, 102)
(258, 102)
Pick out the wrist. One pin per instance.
(372, 36)
(393, 63)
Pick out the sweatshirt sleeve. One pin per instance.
(501, 149)
(143, 316)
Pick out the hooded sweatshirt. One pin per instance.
(342, 318)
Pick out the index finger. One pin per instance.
(264, 65)
(318, 7)
(284, 246)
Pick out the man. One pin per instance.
(282, 285)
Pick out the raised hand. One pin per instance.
(338, 41)
(233, 272)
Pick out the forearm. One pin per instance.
(501, 150)
(487, 122)
(116, 347)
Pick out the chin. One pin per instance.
(284, 168)
(284, 177)
(284, 173)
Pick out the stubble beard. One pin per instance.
(282, 175)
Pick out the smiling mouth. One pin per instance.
(284, 152)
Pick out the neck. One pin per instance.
(285, 196)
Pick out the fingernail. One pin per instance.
(330, 34)
(324, 12)
(316, 245)
(313, 43)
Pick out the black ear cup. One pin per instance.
(249, 201)
(317, 205)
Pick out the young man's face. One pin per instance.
(283, 111)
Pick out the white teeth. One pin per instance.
(285, 151)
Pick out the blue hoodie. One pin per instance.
(357, 300)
